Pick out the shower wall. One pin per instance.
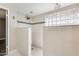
(22, 40)
(37, 32)
(37, 35)
(59, 41)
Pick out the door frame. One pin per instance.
(7, 28)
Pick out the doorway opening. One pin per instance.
(3, 32)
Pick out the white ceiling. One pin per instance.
(37, 8)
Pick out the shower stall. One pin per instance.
(59, 35)
(27, 32)
(61, 32)
(54, 34)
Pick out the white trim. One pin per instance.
(29, 40)
(14, 53)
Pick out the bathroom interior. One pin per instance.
(42, 29)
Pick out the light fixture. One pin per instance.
(13, 17)
(27, 17)
(57, 5)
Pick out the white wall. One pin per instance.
(12, 41)
(59, 41)
(18, 36)
(22, 40)
(37, 35)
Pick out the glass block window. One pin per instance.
(67, 17)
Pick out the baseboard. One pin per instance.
(14, 53)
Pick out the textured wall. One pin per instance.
(61, 41)
(22, 40)
(37, 35)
